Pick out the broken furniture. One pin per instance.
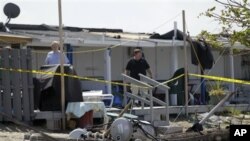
(84, 112)
(48, 89)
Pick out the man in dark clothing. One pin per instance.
(138, 65)
(135, 66)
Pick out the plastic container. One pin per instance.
(173, 99)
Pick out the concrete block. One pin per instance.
(169, 129)
(53, 124)
(160, 123)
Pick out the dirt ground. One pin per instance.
(13, 132)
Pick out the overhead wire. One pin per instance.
(167, 21)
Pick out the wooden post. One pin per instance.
(25, 94)
(15, 78)
(62, 65)
(30, 82)
(6, 99)
(185, 62)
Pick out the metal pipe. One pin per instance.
(216, 107)
(151, 105)
(167, 106)
(134, 81)
(153, 82)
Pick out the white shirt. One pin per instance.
(54, 58)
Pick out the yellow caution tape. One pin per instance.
(218, 78)
(170, 80)
(81, 77)
(69, 75)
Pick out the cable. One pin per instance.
(148, 135)
(169, 20)
(100, 125)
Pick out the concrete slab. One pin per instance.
(169, 129)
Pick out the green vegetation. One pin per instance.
(233, 111)
(234, 20)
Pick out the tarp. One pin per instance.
(169, 35)
(48, 88)
(202, 49)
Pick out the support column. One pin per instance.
(231, 63)
(108, 70)
(174, 52)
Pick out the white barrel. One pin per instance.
(173, 99)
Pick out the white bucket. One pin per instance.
(173, 99)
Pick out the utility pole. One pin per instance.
(185, 62)
(62, 65)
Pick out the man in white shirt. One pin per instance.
(53, 57)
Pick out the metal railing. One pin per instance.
(140, 85)
(148, 84)
(162, 87)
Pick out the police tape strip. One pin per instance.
(170, 80)
(81, 78)
(69, 75)
(221, 79)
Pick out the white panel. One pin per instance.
(83, 62)
(163, 63)
(117, 66)
(181, 57)
(98, 63)
(150, 54)
(237, 67)
(218, 68)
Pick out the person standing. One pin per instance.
(134, 67)
(53, 57)
(138, 65)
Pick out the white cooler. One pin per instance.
(97, 96)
